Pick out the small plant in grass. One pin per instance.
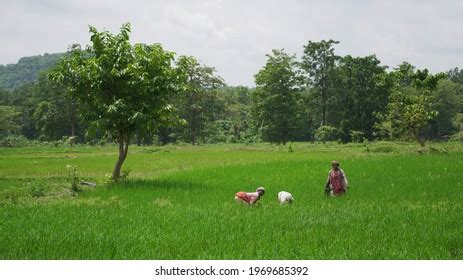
(290, 147)
(73, 175)
(13, 197)
(109, 181)
(125, 174)
(435, 150)
(383, 149)
(365, 144)
(37, 191)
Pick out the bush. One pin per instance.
(290, 147)
(65, 141)
(326, 133)
(125, 174)
(356, 136)
(458, 136)
(73, 175)
(37, 191)
(14, 141)
(252, 139)
(435, 150)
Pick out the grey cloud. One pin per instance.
(234, 36)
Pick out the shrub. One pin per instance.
(73, 175)
(14, 141)
(125, 174)
(458, 136)
(290, 147)
(326, 133)
(252, 139)
(435, 150)
(71, 140)
(357, 136)
(37, 191)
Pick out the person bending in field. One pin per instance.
(250, 198)
(337, 183)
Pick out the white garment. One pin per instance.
(285, 197)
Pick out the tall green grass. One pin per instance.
(178, 203)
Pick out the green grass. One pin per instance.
(178, 203)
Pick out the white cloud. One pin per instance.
(234, 36)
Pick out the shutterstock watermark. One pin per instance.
(197, 271)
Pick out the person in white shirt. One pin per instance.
(285, 197)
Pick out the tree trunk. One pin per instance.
(73, 130)
(139, 138)
(323, 108)
(73, 118)
(323, 89)
(194, 136)
(422, 143)
(419, 139)
(123, 149)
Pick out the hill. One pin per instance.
(26, 70)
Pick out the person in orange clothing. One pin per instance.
(250, 198)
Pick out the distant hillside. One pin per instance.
(26, 70)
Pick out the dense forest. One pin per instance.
(320, 96)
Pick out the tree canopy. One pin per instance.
(276, 97)
(115, 91)
(123, 87)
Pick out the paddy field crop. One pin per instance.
(177, 203)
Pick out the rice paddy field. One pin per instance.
(177, 203)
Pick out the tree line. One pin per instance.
(160, 97)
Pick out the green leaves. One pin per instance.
(276, 105)
(9, 116)
(119, 84)
(410, 112)
(198, 105)
(124, 88)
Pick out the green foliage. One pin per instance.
(37, 191)
(410, 112)
(364, 89)
(14, 141)
(458, 121)
(9, 117)
(110, 81)
(319, 62)
(357, 136)
(198, 104)
(326, 133)
(27, 70)
(275, 104)
(125, 174)
(236, 123)
(124, 88)
(445, 102)
(458, 136)
(56, 115)
(290, 147)
(73, 177)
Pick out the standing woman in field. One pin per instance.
(336, 184)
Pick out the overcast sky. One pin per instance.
(234, 36)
